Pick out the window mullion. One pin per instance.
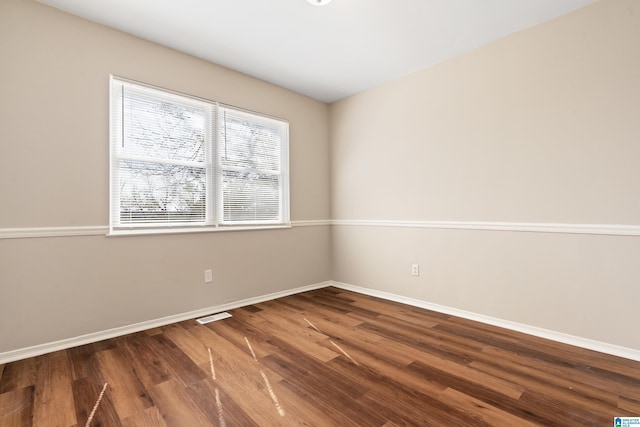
(211, 150)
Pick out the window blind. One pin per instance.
(178, 161)
(251, 162)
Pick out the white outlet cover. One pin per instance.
(415, 269)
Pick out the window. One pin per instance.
(179, 162)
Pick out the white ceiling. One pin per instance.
(326, 52)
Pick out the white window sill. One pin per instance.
(188, 230)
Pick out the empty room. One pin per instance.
(320, 213)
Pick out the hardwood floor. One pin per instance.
(322, 358)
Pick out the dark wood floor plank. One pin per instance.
(18, 375)
(125, 389)
(176, 405)
(391, 306)
(629, 404)
(204, 395)
(385, 361)
(479, 391)
(340, 331)
(309, 378)
(150, 417)
(188, 344)
(53, 402)
(239, 376)
(430, 334)
(83, 362)
(483, 412)
(150, 367)
(86, 393)
(534, 348)
(235, 330)
(583, 357)
(421, 319)
(309, 306)
(327, 357)
(602, 384)
(609, 380)
(396, 401)
(342, 304)
(561, 413)
(181, 367)
(16, 407)
(306, 340)
(541, 381)
(336, 309)
(425, 340)
(449, 361)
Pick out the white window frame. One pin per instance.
(213, 165)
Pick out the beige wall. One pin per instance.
(54, 157)
(542, 126)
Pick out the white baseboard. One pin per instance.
(589, 344)
(40, 349)
(599, 346)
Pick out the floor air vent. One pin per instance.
(213, 318)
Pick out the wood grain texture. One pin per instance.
(322, 358)
(54, 404)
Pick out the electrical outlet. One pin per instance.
(208, 276)
(415, 269)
